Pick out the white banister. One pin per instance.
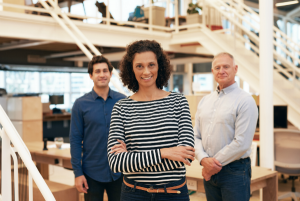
(9, 134)
(231, 11)
(62, 24)
(77, 31)
(5, 166)
(16, 171)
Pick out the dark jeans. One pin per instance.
(232, 183)
(132, 194)
(96, 189)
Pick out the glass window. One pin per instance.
(57, 83)
(2, 80)
(22, 82)
(204, 82)
(81, 83)
(178, 83)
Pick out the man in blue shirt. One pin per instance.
(90, 123)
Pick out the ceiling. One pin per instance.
(28, 53)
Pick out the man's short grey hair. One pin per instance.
(221, 54)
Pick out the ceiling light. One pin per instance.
(286, 3)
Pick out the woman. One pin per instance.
(151, 135)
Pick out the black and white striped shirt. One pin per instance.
(146, 127)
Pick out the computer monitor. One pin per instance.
(56, 99)
(280, 116)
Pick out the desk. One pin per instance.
(52, 156)
(262, 178)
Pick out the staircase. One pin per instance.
(286, 76)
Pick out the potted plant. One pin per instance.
(193, 14)
(158, 15)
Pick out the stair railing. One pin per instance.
(238, 15)
(9, 135)
(53, 12)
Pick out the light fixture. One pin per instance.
(286, 3)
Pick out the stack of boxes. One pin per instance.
(26, 115)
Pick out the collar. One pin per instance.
(228, 89)
(95, 95)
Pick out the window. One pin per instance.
(178, 83)
(71, 85)
(203, 82)
(57, 83)
(22, 82)
(81, 82)
(2, 80)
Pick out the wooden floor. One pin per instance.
(65, 176)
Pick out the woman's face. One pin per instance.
(145, 68)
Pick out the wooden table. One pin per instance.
(262, 178)
(52, 156)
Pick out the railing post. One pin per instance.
(6, 168)
(107, 14)
(150, 20)
(176, 17)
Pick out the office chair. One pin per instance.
(286, 154)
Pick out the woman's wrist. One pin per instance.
(164, 153)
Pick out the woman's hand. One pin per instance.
(180, 153)
(119, 148)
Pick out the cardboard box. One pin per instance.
(30, 131)
(24, 108)
(46, 107)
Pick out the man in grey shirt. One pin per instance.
(224, 128)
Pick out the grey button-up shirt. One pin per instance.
(225, 123)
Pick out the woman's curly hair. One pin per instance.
(126, 66)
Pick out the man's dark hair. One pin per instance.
(126, 66)
(96, 60)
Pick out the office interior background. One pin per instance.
(38, 57)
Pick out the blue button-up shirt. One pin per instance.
(90, 123)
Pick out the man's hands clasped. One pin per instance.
(211, 166)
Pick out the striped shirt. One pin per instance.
(146, 127)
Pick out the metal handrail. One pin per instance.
(275, 29)
(237, 20)
(9, 131)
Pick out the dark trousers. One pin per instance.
(96, 189)
(232, 183)
(133, 194)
